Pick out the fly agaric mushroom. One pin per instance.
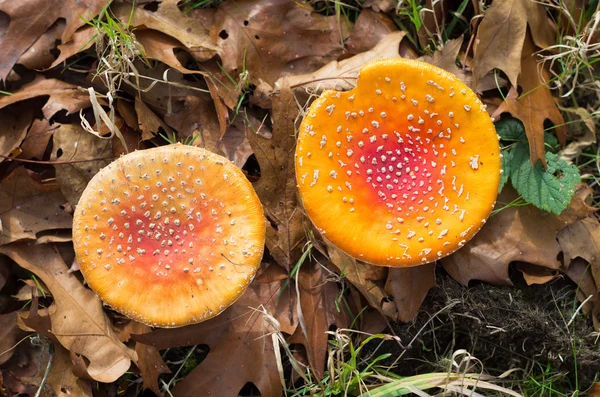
(169, 236)
(403, 169)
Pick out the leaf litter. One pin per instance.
(235, 78)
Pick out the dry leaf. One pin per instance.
(14, 128)
(63, 96)
(341, 76)
(241, 348)
(72, 143)
(150, 361)
(235, 144)
(79, 321)
(36, 142)
(160, 47)
(524, 234)
(149, 123)
(170, 20)
(275, 38)
(276, 187)
(321, 307)
(409, 286)
(536, 274)
(534, 105)
(39, 55)
(61, 378)
(579, 273)
(580, 140)
(582, 240)
(368, 279)
(27, 208)
(81, 40)
(370, 28)
(501, 35)
(10, 334)
(30, 19)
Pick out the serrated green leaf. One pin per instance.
(511, 129)
(506, 168)
(549, 189)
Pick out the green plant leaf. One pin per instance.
(549, 189)
(506, 168)
(511, 129)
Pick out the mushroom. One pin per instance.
(169, 236)
(403, 169)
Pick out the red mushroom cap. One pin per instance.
(169, 236)
(401, 170)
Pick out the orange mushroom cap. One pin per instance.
(401, 170)
(169, 236)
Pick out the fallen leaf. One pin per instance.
(62, 96)
(341, 76)
(61, 378)
(368, 279)
(534, 105)
(368, 30)
(587, 289)
(170, 20)
(409, 286)
(14, 128)
(160, 47)
(583, 137)
(275, 38)
(235, 145)
(322, 307)
(276, 187)
(536, 274)
(582, 240)
(30, 19)
(241, 348)
(72, 143)
(79, 321)
(150, 361)
(81, 40)
(149, 123)
(39, 55)
(501, 35)
(27, 207)
(524, 234)
(10, 335)
(36, 142)
(381, 5)
(23, 373)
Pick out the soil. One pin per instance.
(504, 327)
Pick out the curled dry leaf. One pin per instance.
(524, 234)
(501, 35)
(61, 378)
(320, 308)
(170, 20)
(62, 96)
(276, 187)
(30, 19)
(579, 273)
(241, 347)
(72, 143)
(275, 38)
(582, 240)
(534, 105)
(78, 322)
(235, 143)
(28, 207)
(536, 274)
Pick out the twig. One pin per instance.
(43, 382)
(54, 162)
(579, 309)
